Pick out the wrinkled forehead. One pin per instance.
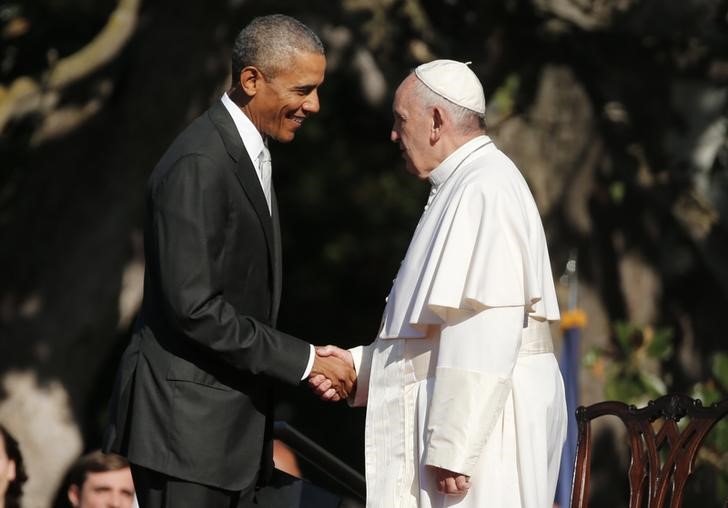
(403, 95)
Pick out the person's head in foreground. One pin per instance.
(278, 64)
(439, 107)
(99, 480)
(12, 471)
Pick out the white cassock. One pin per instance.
(462, 374)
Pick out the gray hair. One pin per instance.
(270, 44)
(464, 120)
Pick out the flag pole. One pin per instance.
(573, 321)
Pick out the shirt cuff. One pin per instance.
(362, 357)
(311, 358)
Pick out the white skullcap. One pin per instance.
(455, 82)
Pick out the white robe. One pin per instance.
(462, 375)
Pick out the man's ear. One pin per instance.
(436, 128)
(74, 495)
(249, 80)
(11, 471)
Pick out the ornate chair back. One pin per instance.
(662, 453)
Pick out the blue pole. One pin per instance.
(569, 366)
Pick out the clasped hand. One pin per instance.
(333, 376)
(449, 482)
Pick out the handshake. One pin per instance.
(332, 376)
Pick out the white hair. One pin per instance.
(463, 119)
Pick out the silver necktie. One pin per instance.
(265, 173)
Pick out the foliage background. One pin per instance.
(615, 111)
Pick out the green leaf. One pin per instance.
(723, 486)
(720, 369)
(592, 356)
(720, 437)
(617, 191)
(624, 388)
(623, 332)
(661, 345)
(707, 393)
(504, 98)
(654, 386)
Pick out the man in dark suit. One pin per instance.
(191, 407)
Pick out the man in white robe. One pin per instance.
(465, 401)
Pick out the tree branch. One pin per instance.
(26, 95)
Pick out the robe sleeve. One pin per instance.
(493, 254)
(362, 356)
(472, 382)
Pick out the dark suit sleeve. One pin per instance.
(190, 210)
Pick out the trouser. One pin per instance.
(157, 490)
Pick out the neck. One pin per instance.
(238, 96)
(243, 100)
(448, 144)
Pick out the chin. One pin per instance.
(284, 137)
(287, 139)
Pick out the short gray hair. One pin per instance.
(465, 120)
(270, 43)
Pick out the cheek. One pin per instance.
(295, 104)
(285, 112)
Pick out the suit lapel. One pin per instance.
(277, 257)
(248, 178)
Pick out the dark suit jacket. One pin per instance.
(192, 396)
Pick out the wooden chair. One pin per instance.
(662, 455)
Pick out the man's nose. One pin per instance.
(394, 136)
(116, 500)
(311, 104)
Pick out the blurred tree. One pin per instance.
(614, 110)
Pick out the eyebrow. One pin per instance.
(106, 488)
(304, 88)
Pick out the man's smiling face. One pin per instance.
(284, 101)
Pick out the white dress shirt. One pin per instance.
(257, 151)
(252, 139)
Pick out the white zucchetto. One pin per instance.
(455, 82)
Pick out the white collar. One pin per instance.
(441, 173)
(252, 139)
